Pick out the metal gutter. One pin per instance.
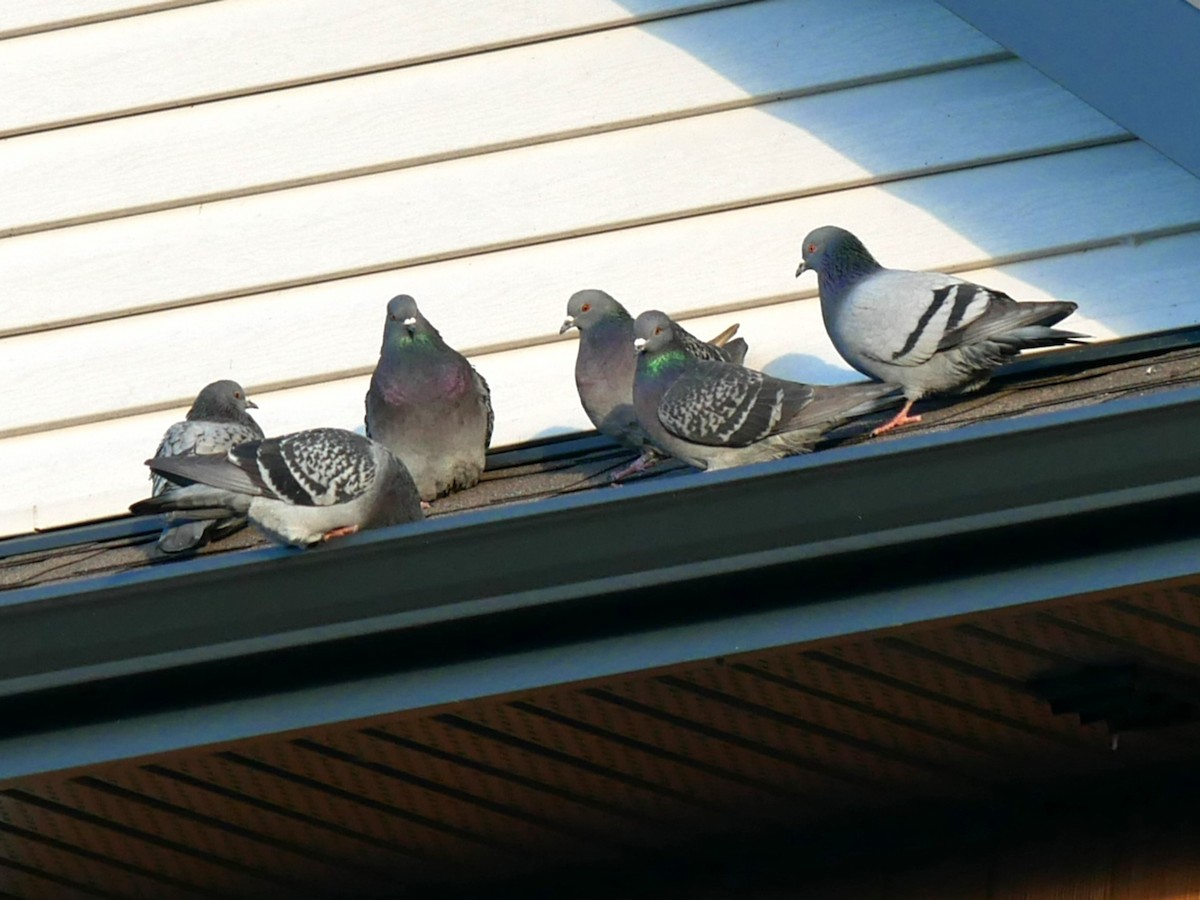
(848, 540)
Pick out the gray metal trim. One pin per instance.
(598, 547)
(438, 685)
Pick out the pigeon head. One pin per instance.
(653, 331)
(221, 401)
(586, 308)
(405, 322)
(836, 254)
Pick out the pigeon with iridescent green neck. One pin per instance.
(713, 415)
(606, 361)
(427, 404)
(928, 332)
(216, 422)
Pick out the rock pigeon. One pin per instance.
(427, 404)
(927, 332)
(713, 415)
(299, 489)
(216, 422)
(606, 361)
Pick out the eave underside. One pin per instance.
(614, 774)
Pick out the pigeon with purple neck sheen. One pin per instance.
(216, 422)
(606, 361)
(713, 415)
(928, 332)
(427, 404)
(299, 489)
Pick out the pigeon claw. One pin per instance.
(641, 464)
(901, 418)
(339, 532)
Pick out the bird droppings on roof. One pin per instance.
(1063, 379)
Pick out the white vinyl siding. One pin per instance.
(492, 159)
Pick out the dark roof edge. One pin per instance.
(570, 444)
(912, 498)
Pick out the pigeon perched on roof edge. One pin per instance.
(299, 489)
(605, 363)
(427, 404)
(216, 422)
(713, 415)
(927, 332)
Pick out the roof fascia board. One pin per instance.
(493, 561)
(896, 494)
(1136, 61)
(328, 704)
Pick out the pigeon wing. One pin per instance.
(219, 470)
(724, 405)
(481, 387)
(319, 467)
(902, 318)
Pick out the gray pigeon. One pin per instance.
(713, 415)
(927, 332)
(299, 489)
(427, 404)
(606, 361)
(216, 422)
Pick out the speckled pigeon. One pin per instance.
(217, 421)
(928, 332)
(713, 415)
(299, 489)
(427, 404)
(606, 361)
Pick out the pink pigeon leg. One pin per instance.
(901, 418)
(340, 532)
(641, 464)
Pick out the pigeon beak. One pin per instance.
(567, 325)
(802, 268)
(409, 322)
(639, 344)
(250, 404)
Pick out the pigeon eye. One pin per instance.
(658, 330)
(812, 248)
(585, 307)
(237, 395)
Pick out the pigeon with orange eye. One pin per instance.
(713, 415)
(216, 422)
(928, 332)
(605, 363)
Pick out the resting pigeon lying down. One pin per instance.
(713, 415)
(606, 360)
(927, 332)
(427, 404)
(299, 489)
(216, 422)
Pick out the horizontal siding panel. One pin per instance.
(550, 191)
(398, 118)
(729, 260)
(214, 50)
(100, 471)
(28, 16)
